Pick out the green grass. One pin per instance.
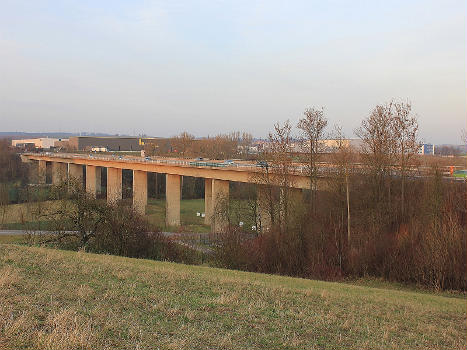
(28, 226)
(52, 299)
(155, 212)
(12, 239)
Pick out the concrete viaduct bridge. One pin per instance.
(217, 175)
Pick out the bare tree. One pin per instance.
(281, 168)
(405, 133)
(464, 136)
(312, 127)
(78, 214)
(183, 143)
(342, 159)
(378, 149)
(245, 144)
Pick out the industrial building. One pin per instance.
(111, 143)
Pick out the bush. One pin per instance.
(84, 222)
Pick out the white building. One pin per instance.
(426, 148)
(42, 142)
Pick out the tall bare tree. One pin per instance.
(464, 136)
(378, 148)
(183, 143)
(405, 133)
(312, 127)
(281, 168)
(342, 159)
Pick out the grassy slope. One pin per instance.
(61, 299)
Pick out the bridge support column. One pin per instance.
(42, 171)
(220, 205)
(265, 207)
(98, 180)
(297, 207)
(91, 179)
(114, 185)
(172, 200)
(207, 201)
(75, 172)
(140, 191)
(59, 172)
(292, 199)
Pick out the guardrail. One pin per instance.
(295, 169)
(323, 169)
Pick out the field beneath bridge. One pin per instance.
(23, 217)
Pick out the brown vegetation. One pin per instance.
(379, 219)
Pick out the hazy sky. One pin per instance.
(161, 67)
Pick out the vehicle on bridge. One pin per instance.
(460, 174)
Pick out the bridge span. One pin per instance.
(216, 174)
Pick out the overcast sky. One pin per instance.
(161, 67)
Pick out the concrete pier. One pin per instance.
(140, 191)
(59, 172)
(42, 171)
(91, 179)
(265, 207)
(172, 195)
(220, 204)
(75, 172)
(114, 185)
(207, 201)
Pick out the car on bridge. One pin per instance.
(460, 174)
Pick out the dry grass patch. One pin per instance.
(54, 299)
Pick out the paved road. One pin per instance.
(22, 232)
(25, 232)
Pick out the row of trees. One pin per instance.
(223, 146)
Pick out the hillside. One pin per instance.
(66, 300)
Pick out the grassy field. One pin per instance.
(52, 299)
(155, 213)
(23, 216)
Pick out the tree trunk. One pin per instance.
(348, 207)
